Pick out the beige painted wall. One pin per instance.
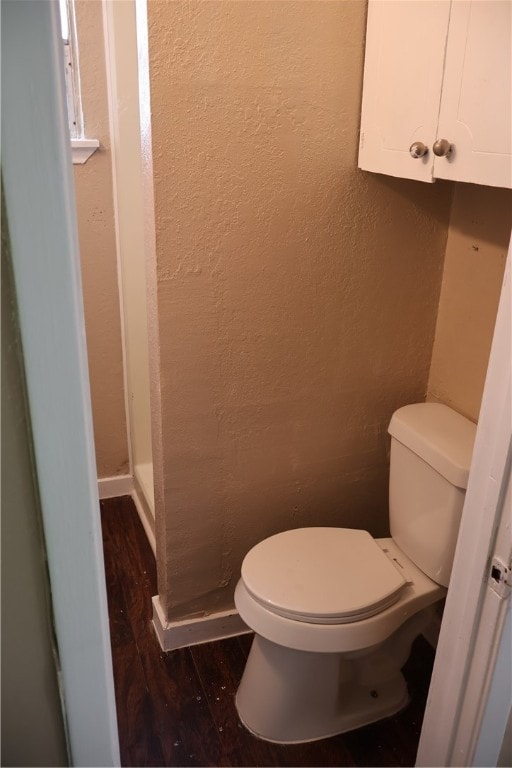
(476, 252)
(296, 296)
(96, 229)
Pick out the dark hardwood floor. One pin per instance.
(177, 709)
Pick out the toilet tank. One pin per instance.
(431, 448)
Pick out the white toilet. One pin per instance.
(335, 611)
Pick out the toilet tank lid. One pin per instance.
(438, 435)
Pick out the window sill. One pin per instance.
(82, 149)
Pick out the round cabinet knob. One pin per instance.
(418, 149)
(442, 148)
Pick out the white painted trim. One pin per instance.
(120, 40)
(82, 149)
(180, 634)
(126, 485)
(111, 487)
(495, 717)
(112, 109)
(482, 691)
(143, 474)
(146, 518)
(467, 648)
(40, 202)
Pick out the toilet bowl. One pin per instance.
(310, 632)
(335, 611)
(306, 679)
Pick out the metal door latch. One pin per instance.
(500, 577)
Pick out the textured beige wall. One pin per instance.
(93, 185)
(476, 251)
(297, 296)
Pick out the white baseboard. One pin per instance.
(143, 477)
(179, 634)
(110, 487)
(145, 516)
(124, 485)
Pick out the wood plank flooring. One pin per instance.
(177, 709)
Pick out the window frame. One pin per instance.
(82, 148)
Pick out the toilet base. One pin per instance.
(391, 699)
(288, 696)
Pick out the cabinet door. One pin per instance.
(405, 44)
(475, 115)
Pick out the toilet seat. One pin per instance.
(322, 575)
(418, 594)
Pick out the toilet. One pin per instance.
(335, 611)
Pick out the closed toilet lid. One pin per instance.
(322, 575)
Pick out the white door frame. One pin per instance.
(455, 729)
(36, 164)
(40, 203)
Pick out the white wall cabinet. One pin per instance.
(438, 70)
